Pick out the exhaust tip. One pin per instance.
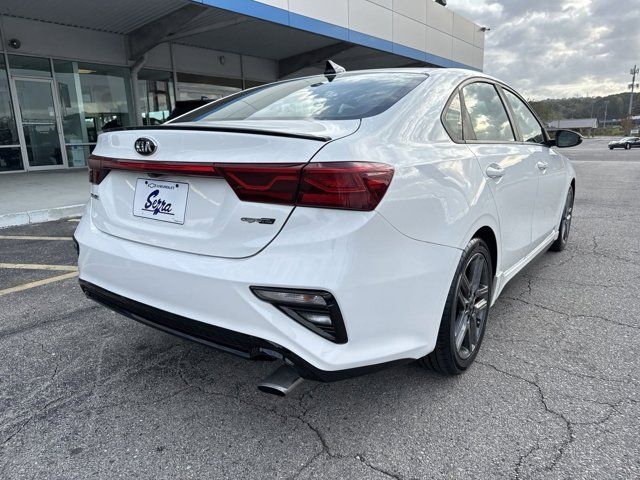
(272, 390)
(281, 382)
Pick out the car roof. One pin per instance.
(435, 73)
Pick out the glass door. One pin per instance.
(38, 120)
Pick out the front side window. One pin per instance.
(343, 97)
(527, 122)
(489, 120)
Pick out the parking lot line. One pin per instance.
(37, 266)
(27, 286)
(29, 237)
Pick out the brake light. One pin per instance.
(348, 185)
(263, 183)
(99, 167)
(343, 185)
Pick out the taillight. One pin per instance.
(266, 183)
(99, 167)
(348, 185)
(343, 185)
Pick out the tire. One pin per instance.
(627, 146)
(610, 148)
(453, 353)
(565, 224)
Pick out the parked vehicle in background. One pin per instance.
(341, 223)
(627, 143)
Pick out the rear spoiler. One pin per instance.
(251, 131)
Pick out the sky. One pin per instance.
(556, 48)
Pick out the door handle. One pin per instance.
(495, 171)
(542, 165)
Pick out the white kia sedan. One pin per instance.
(340, 223)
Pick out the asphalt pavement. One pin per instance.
(86, 393)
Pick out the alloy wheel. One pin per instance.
(472, 305)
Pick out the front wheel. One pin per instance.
(610, 148)
(565, 224)
(465, 314)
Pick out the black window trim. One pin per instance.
(499, 86)
(443, 115)
(506, 110)
(535, 116)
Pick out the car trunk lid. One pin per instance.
(169, 199)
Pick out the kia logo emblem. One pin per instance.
(145, 146)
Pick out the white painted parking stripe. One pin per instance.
(38, 283)
(37, 266)
(74, 220)
(30, 237)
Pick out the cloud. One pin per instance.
(554, 48)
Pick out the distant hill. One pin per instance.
(566, 108)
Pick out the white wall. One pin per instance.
(423, 25)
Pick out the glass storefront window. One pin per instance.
(106, 96)
(202, 87)
(93, 98)
(155, 89)
(24, 66)
(10, 159)
(10, 155)
(77, 154)
(71, 108)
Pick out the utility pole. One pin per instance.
(606, 106)
(633, 85)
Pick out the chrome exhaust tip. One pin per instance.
(281, 382)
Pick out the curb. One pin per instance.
(39, 216)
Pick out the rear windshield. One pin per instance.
(342, 97)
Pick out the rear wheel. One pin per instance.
(465, 314)
(565, 224)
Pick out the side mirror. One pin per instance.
(566, 139)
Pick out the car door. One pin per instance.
(550, 168)
(508, 166)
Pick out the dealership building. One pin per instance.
(71, 68)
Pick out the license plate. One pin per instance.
(160, 200)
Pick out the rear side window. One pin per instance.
(527, 122)
(453, 118)
(489, 120)
(343, 97)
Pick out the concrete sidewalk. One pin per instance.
(35, 197)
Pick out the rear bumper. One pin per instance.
(390, 289)
(229, 341)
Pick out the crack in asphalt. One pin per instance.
(571, 315)
(522, 459)
(325, 448)
(569, 426)
(61, 318)
(623, 381)
(86, 392)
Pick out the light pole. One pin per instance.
(606, 106)
(633, 85)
